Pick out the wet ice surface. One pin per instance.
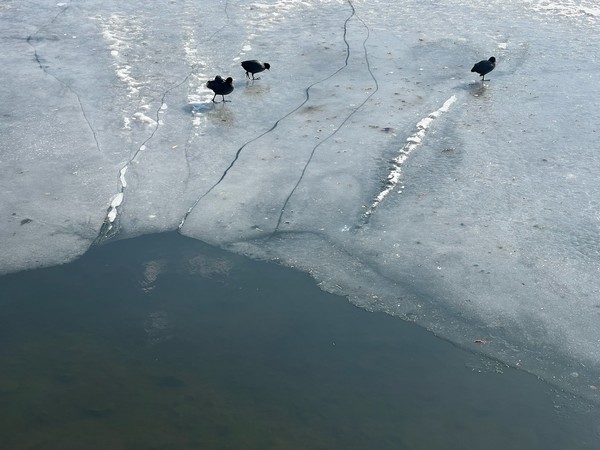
(368, 155)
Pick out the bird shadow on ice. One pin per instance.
(253, 88)
(198, 108)
(476, 89)
(217, 110)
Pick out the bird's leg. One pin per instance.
(224, 99)
(214, 96)
(248, 76)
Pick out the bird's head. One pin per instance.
(229, 80)
(267, 66)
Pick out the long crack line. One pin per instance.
(306, 99)
(110, 226)
(38, 59)
(227, 20)
(354, 111)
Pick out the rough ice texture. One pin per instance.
(368, 155)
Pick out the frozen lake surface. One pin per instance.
(368, 156)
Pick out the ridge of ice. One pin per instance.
(412, 142)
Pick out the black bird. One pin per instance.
(220, 87)
(484, 67)
(253, 66)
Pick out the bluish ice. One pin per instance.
(369, 155)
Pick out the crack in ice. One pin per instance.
(354, 111)
(36, 55)
(108, 228)
(227, 20)
(239, 151)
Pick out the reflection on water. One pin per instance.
(163, 342)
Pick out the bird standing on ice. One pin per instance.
(220, 87)
(253, 66)
(484, 67)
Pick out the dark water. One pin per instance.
(162, 342)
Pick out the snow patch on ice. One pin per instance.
(568, 8)
(265, 14)
(141, 117)
(118, 32)
(122, 173)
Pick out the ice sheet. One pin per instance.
(369, 155)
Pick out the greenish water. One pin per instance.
(162, 342)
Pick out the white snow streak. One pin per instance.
(412, 142)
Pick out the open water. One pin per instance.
(163, 342)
